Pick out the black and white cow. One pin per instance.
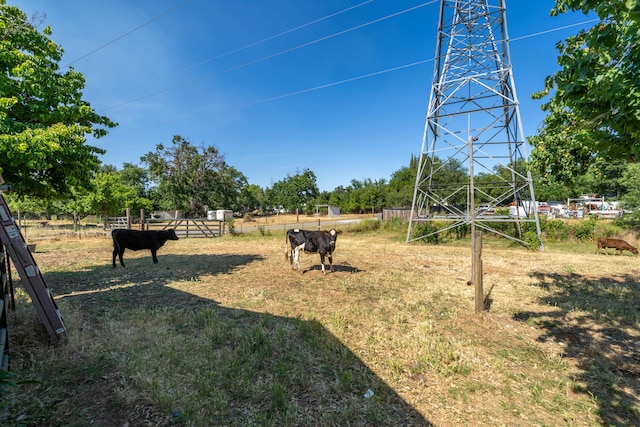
(136, 240)
(322, 242)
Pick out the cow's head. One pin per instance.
(333, 235)
(634, 250)
(172, 234)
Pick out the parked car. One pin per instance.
(485, 208)
(543, 207)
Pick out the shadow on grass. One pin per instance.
(337, 268)
(592, 320)
(244, 367)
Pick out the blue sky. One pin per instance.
(212, 72)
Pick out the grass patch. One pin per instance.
(223, 332)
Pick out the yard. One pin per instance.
(223, 332)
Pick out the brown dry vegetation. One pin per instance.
(557, 344)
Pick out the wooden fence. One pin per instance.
(112, 222)
(193, 227)
(199, 227)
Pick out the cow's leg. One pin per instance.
(296, 255)
(330, 262)
(322, 263)
(153, 255)
(115, 253)
(120, 253)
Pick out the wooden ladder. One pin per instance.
(30, 274)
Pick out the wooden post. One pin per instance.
(141, 219)
(477, 273)
(128, 214)
(476, 237)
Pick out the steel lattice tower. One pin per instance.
(473, 121)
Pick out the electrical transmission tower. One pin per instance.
(472, 167)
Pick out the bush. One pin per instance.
(585, 230)
(424, 229)
(532, 241)
(556, 230)
(394, 224)
(365, 225)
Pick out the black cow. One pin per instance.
(322, 242)
(136, 240)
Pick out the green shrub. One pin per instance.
(584, 230)
(532, 241)
(556, 230)
(394, 224)
(264, 231)
(365, 225)
(424, 229)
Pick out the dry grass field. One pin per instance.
(223, 332)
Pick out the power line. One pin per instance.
(324, 18)
(327, 85)
(554, 29)
(282, 52)
(166, 12)
(372, 74)
(396, 68)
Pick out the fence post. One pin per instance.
(477, 272)
(128, 214)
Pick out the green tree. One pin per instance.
(366, 195)
(401, 185)
(594, 99)
(339, 197)
(192, 179)
(136, 177)
(252, 198)
(110, 196)
(21, 204)
(295, 192)
(631, 183)
(43, 118)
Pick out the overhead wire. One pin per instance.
(282, 52)
(385, 71)
(540, 33)
(300, 46)
(396, 68)
(275, 36)
(133, 30)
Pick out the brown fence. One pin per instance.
(402, 213)
(198, 227)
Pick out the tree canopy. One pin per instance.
(43, 118)
(192, 179)
(294, 192)
(594, 99)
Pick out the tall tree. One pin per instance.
(631, 182)
(190, 179)
(401, 185)
(294, 192)
(43, 118)
(594, 99)
(136, 177)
